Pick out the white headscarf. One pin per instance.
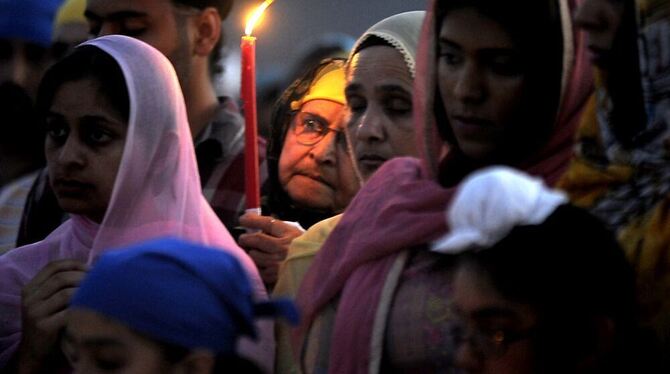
(401, 31)
(490, 203)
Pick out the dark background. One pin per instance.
(289, 27)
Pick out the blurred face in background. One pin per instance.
(492, 334)
(601, 20)
(22, 63)
(94, 343)
(158, 23)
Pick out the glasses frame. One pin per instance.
(486, 344)
(326, 129)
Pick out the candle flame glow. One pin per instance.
(256, 16)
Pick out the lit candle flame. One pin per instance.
(256, 16)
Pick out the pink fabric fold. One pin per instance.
(402, 207)
(157, 190)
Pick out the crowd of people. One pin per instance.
(480, 186)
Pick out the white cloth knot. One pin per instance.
(490, 203)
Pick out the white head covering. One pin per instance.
(399, 30)
(490, 203)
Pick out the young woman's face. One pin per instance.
(314, 148)
(601, 20)
(379, 97)
(96, 344)
(84, 146)
(481, 82)
(494, 334)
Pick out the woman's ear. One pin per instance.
(207, 31)
(197, 362)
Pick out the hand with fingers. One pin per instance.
(268, 246)
(44, 301)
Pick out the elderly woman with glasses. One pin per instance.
(311, 176)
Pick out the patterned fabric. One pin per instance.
(12, 200)
(625, 181)
(420, 314)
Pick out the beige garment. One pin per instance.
(300, 255)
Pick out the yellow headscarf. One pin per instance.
(328, 85)
(72, 11)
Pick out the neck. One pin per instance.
(201, 102)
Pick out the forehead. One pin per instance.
(78, 93)
(470, 29)
(475, 293)
(85, 97)
(82, 322)
(104, 8)
(378, 65)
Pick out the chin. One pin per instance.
(478, 152)
(310, 199)
(78, 207)
(308, 193)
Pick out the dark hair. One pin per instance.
(23, 137)
(277, 200)
(223, 7)
(86, 62)
(571, 270)
(535, 27)
(628, 115)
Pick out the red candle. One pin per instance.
(248, 96)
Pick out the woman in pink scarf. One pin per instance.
(494, 85)
(121, 161)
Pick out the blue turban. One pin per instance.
(177, 292)
(29, 20)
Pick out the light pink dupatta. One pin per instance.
(402, 206)
(157, 191)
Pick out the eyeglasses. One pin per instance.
(489, 344)
(309, 129)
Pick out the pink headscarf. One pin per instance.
(402, 205)
(156, 193)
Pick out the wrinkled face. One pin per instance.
(314, 173)
(22, 63)
(379, 97)
(601, 20)
(495, 333)
(84, 146)
(156, 22)
(481, 82)
(96, 344)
